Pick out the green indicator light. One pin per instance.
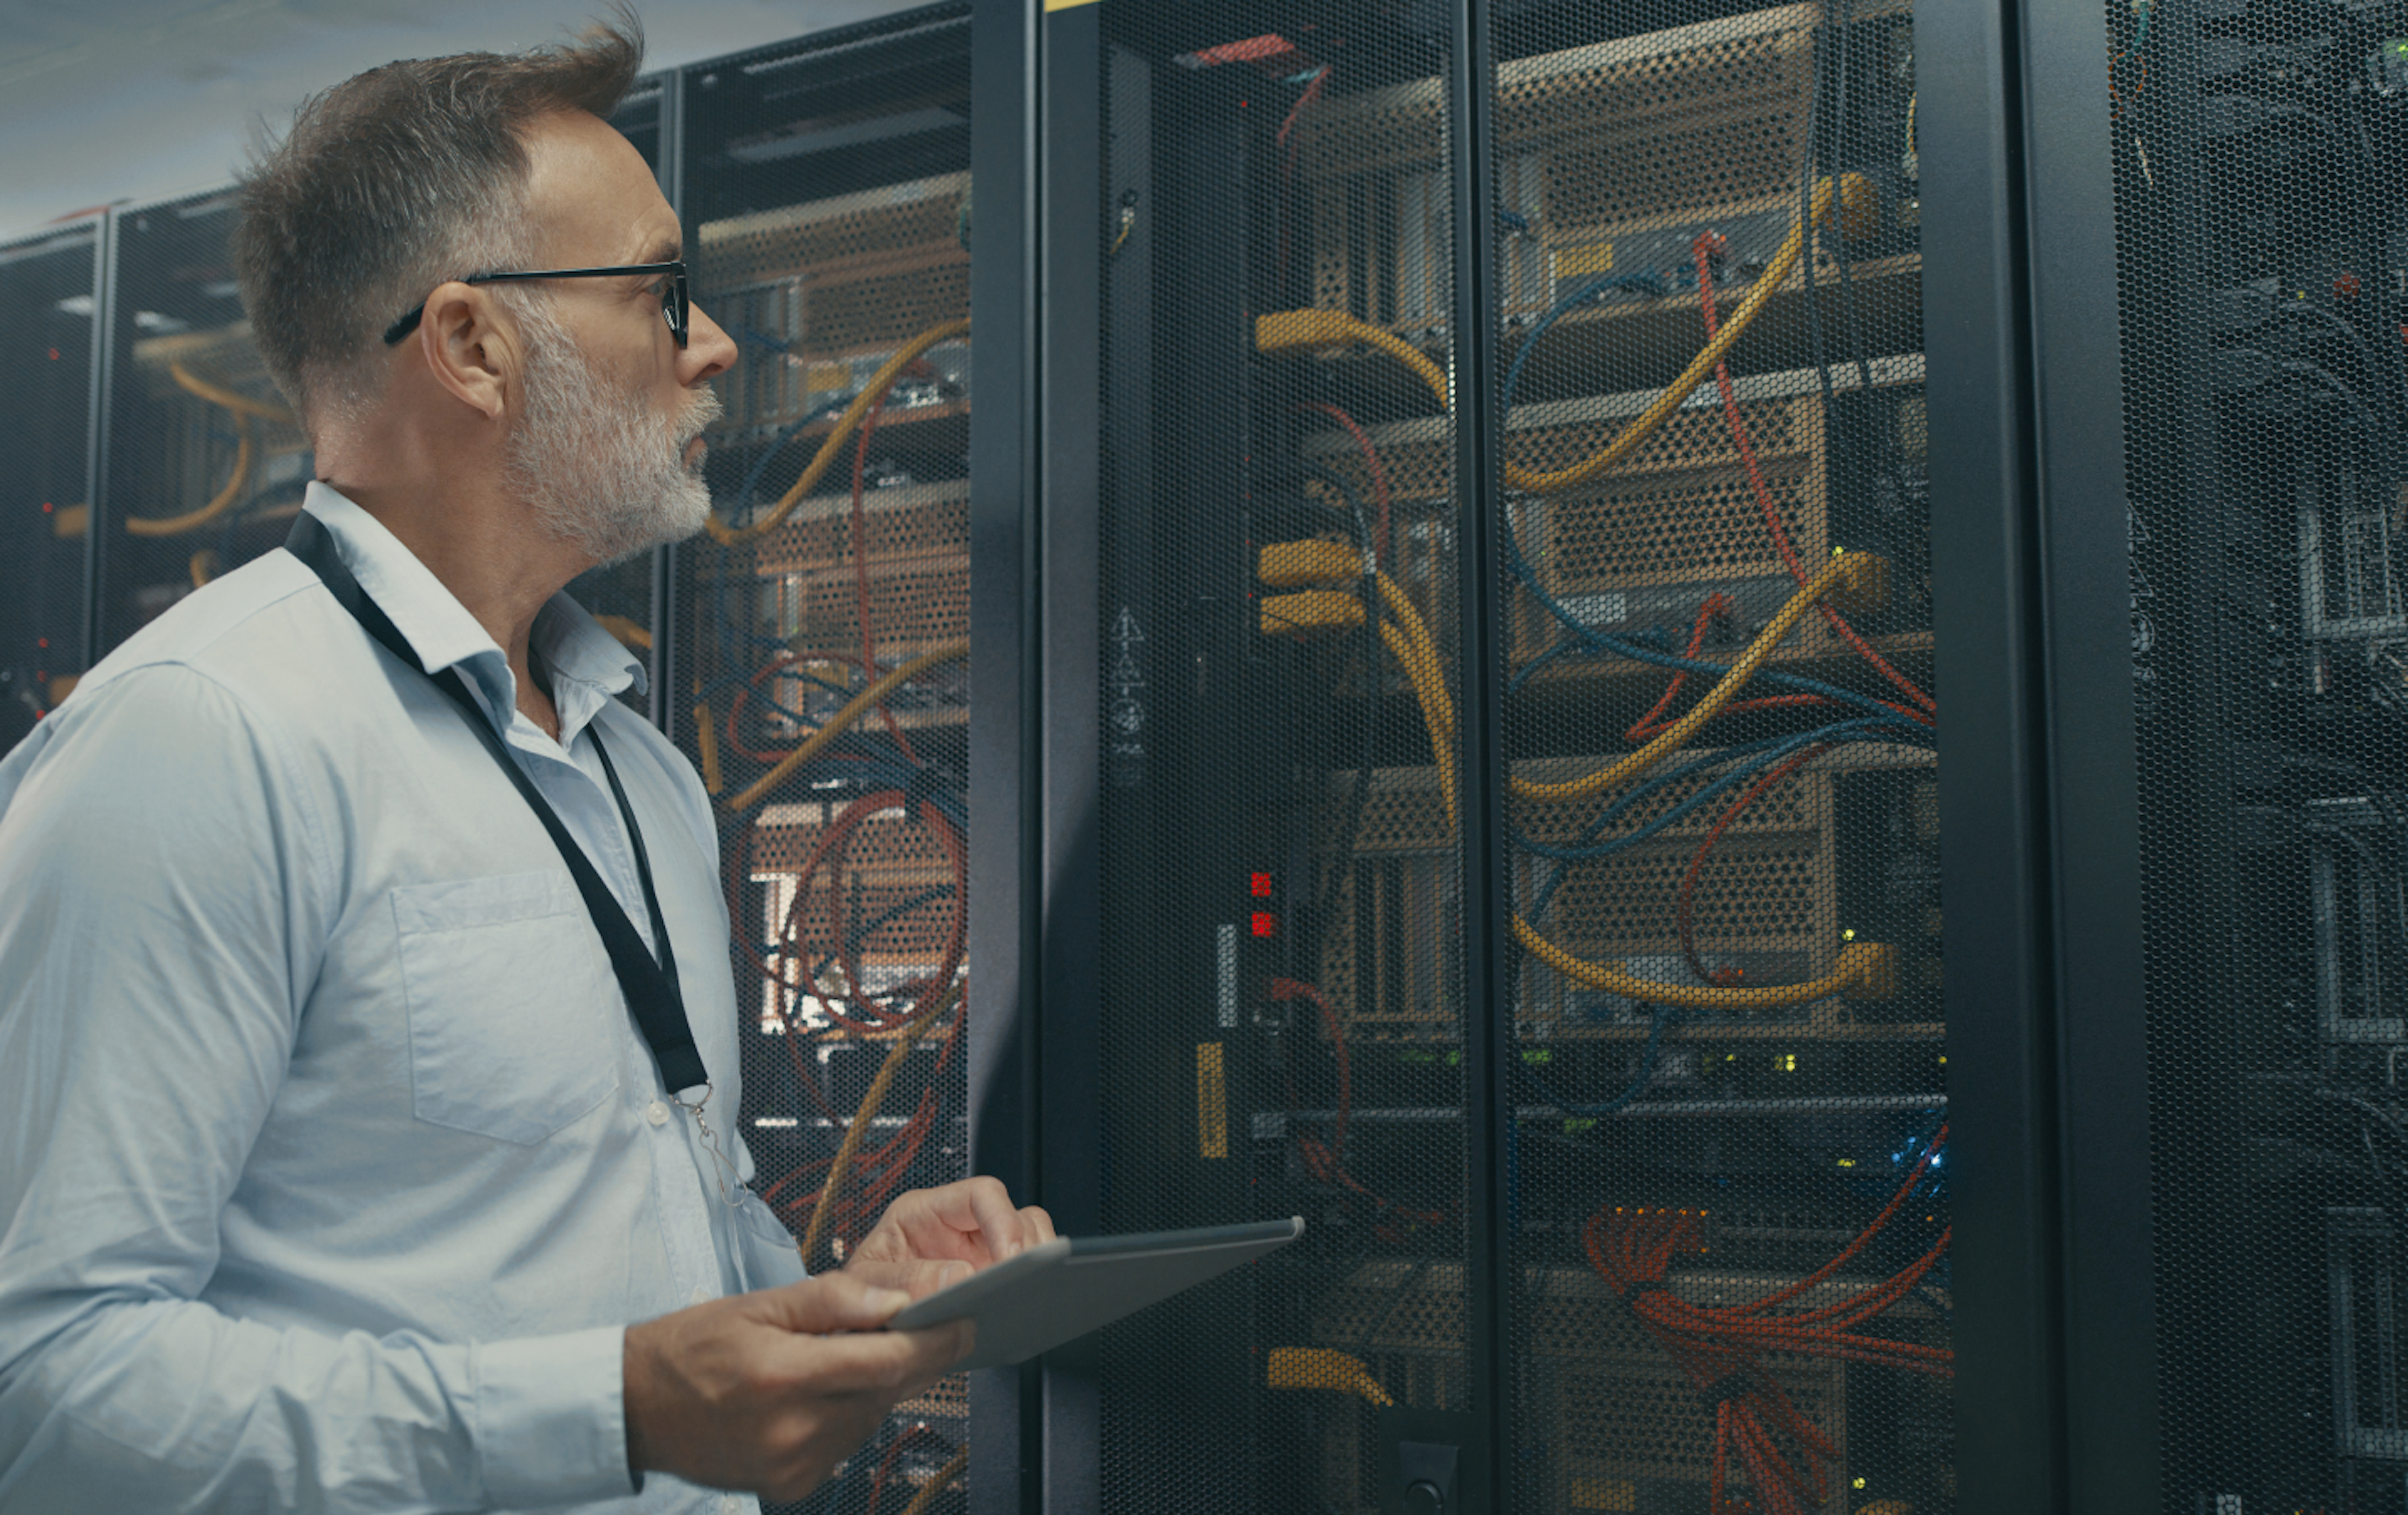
(1538, 1056)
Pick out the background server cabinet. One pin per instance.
(49, 289)
(204, 464)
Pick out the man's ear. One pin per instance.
(471, 347)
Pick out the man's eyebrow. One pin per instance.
(662, 250)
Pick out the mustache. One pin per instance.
(699, 413)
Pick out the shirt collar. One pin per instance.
(441, 631)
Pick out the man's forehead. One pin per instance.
(588, 187)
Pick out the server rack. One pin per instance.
(50, 288)
(1385, 482)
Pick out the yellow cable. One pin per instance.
(954, 1468)
(1319, 1368)
(203, 566)
(867, 1111)
(1438, 711)
(224, 398)
(1285, 331)
(1854, 568)
(854, 710)
(1865, 969)
(245, 410)
(223, 501)
(727, 535)
(706, 740)
(629, 632)
(1288, 331)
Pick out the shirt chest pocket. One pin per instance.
(511, 1004)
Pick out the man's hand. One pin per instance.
(926, 1232)
(747, 1393)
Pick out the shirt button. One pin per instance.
(697, 1295)
(729, 1504)
(657, 1113)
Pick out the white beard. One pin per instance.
(602, 469)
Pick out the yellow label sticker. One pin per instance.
(1211, 1102)
(1067, 5)
(1584, 262)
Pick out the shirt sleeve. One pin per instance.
(166, 884)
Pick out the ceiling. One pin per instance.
(109, 100)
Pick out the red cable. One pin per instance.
(744, 696)
(1288, 164)
(1380, 491)
(1703, 248)
(1651, 724)
(1716, 1346)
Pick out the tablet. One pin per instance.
(1062, 1290)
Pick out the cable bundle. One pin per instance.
(1721, 1347)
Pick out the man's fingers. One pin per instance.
(830, 1302)
(998, 1219)
(1036, 1227)
(888, 1362)
(930, 1277)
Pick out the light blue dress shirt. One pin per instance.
(332, 1166)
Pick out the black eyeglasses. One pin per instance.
(673, 294)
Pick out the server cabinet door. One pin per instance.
(1281, 1021)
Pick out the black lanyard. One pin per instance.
(651, 987)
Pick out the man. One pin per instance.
(333, 1164)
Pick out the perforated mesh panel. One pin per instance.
(2258, 159)
(47, 290)
(828, 228)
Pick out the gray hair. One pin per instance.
(391, 182)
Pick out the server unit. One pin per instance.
(49, 289)
(1516, 828)
(823, 625)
